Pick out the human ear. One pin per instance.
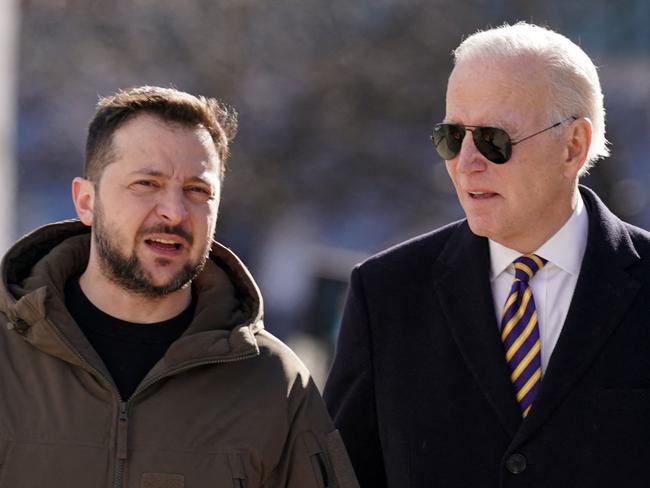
(577, 146)
(83, 197)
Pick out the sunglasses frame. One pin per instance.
(478, 142)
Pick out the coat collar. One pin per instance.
(603, 293)
(464, 293)
(228, 312)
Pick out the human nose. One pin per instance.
(470, 160)
(172, 207)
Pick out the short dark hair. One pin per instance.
(168, 104)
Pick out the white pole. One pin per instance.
(9, 11)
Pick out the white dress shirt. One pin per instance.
(553, 285)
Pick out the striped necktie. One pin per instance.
(520, 332)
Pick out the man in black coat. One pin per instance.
(512, 348)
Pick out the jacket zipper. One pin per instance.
(118, 474)
(122, 428)
(121, 445)
(123, 417)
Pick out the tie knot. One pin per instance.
(527, 265)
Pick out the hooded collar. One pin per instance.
(34, 272)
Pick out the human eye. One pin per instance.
(145, 185)
(199, 192)
(198, 189)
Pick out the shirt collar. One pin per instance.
(564, 249)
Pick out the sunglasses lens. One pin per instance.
(493, 143)
(448, 138)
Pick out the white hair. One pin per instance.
(573, 84)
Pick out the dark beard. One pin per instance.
(128, 273)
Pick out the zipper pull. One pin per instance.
(122, 430)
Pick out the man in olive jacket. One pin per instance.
(133, 351)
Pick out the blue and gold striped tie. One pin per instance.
(520, 332)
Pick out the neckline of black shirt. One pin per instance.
(129, 350)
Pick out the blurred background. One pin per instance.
(336, 101)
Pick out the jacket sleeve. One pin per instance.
(350, 393)
(314, 455)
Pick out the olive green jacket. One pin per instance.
(227, 406)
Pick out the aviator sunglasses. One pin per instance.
(493, 143)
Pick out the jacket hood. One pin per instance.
(34, 272)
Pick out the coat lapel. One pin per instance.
(603, 293)
(462, 286)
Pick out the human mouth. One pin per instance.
(164, 245)
(481, 195)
